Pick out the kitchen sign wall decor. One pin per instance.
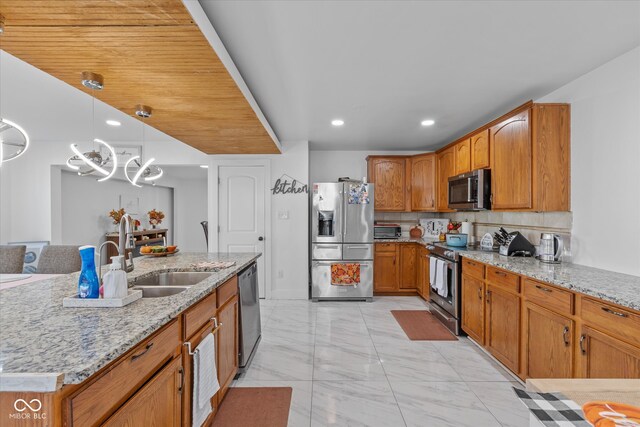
(288, 185)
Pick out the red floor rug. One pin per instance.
(254, 407)
(420, 325)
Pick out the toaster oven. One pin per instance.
(387, 231)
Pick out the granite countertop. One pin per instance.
(622, 289)
(44, 345)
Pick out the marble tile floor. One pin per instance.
(350, 364)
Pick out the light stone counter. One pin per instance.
(44, 345)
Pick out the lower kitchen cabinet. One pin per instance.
(503, 326)
(473, 307)
(422, 286)
(548, 343)
(227, 345)
(602, 356)
(155, 404)
(386, 271)
(408, 266)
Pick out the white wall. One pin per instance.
(605, 153)
(190, 208)
(328, 166)
(84, 217)
(289, 239)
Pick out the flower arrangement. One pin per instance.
(136, 224)
(116, 215)
(155, 217)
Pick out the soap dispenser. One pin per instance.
(88, 283)
(115, 280)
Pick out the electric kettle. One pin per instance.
(550, 249)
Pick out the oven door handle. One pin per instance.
(469, 190)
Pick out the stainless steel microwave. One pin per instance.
(470, 191)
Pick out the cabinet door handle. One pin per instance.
(479, 293)
(565, 331)
(615, 313)
(143, 352)
(488, 297)
(471, 263)
(582, 349)
(500, 273)
(181, 386)
(542, 288)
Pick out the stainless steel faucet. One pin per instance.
(126, 241)
(108, 242)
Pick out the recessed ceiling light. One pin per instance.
(204, 166)
(113, 122)
(427, 122)
(337, 122)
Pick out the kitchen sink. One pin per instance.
(160, 291)
(175, 278)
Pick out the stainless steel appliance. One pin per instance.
(447, 309)
(342, 236)
(386, 231)
(249, 316)
(550, 249)
(470, 191)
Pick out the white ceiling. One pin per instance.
(383, 66)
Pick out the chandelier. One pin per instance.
(14, 141)
(142, 169)
(93, 162)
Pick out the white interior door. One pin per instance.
(241, 213)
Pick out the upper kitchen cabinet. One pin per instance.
(446, 169)
(530, 159)
(480, 150)
(463, 156)
(423, 182)
(389, 174)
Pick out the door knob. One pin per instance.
(261, 238)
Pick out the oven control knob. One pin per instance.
(431, 247)
(448, 253)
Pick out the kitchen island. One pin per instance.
(51, 353)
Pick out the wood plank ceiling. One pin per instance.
(149, 52)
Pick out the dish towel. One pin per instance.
(347, 274)
(552, 409)
(205, 380)
(441, 279)
(433, 270)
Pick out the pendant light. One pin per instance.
(92, 162)
(142, 169)
(14, 141)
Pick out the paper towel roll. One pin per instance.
(466, 228)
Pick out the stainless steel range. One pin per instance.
(447, 309)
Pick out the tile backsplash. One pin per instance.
(530, 224)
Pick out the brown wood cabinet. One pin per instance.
(503, 326)
(511, 159)
(156, 404)
(227, 345)
(548, 343)
(423, 272)
(462, 156)
(408, 266)
(386, 268)
(446, 169)
(473, 304)
(480, 150)
(423, 182)
(602, 356)
(535, 331)
(389, 174)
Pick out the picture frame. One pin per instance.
(123, 153)
(130, 203)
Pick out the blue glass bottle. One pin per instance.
(88, 283)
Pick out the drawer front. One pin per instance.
(619, 322)
(326, 251)
(357, 251)
(91, 405)
(473, 268)
(227, 290)
(386, 247)
(547, 296)
(507, 280)
(199, 314)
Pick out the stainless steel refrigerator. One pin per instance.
(342, 241)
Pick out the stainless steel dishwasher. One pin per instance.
(250, 330)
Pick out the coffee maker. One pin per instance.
(550, 249)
